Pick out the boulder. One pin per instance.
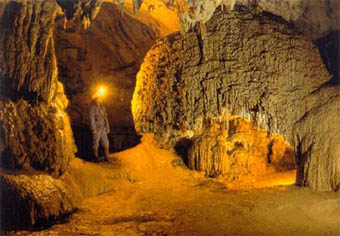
(253, 66)
(36, 199)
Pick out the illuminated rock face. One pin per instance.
(32, 123)
(36, 136)
(251, 66)
(233, 147)
(35, 130)
(34, 126)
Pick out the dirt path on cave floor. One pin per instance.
(168, 200)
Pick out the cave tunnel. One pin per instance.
(221, 117)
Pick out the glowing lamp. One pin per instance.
(100, 92)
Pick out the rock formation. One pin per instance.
(35, 130)
(34, 126)
(232, 148)
(314, 18)
(78, 56)
(36, 199)
(245, 65)
(32, 115)
(109, 53)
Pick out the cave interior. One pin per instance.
(223, 117)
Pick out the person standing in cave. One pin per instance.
(99, 125)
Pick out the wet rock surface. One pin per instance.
(253, 66)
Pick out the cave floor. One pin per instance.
(157, 197)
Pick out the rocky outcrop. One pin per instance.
(251, 66)
(36, 136)
(108, 53)
(34, 124)
(314, 19)
(35, 130)
(232, 148)
(36, 199)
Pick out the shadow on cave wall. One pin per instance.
(329, 47)
(182, 149)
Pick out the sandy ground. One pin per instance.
(160, 197)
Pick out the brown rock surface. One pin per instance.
(253, 66)
(314, 18)
(36, 136)
(108, 53)
(80, 12)
(35, 130)
(36, 199)
(317, 140)
(233, 148)
(28, 68)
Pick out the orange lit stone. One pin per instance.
(233, 147)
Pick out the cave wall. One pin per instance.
(35, 129)
(109, 52)
(329, 47)
(36, 142)
(33, 118)
(318, 20)
(315, 19)
(248, 65)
